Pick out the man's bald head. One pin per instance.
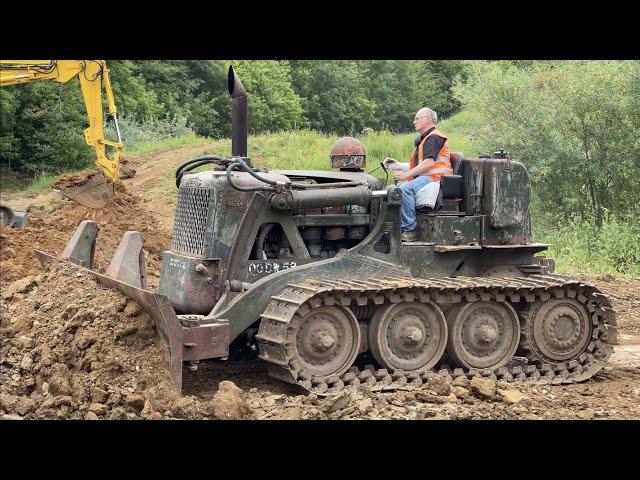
(425, 119)
(428, 112)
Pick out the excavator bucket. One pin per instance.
(97, 192)
(126, 274)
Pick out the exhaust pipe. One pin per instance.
(239, 124)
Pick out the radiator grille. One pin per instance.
(191, 221)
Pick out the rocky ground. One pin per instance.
(71, 349)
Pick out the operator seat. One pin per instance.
(450, 185)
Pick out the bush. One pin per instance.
(614, 248)
(573, 123)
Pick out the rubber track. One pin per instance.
(276, 343)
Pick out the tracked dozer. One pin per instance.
(307, 270)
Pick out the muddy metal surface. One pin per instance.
(72, 349)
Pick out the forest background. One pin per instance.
(574, 124)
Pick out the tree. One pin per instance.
(273, 104)
(9, 142)
(575, 126)
(133, 97)
(393, 90)
(434, 83)
(334, 95)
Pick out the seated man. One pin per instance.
(429, 161)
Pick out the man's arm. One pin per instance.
(429, 153)
(392, 164)
(421, 168)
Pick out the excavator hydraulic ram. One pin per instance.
(98, 190)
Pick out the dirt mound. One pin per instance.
(52, 226)
(72, 349)
(126, 170)
(80, 178)
(74, 179)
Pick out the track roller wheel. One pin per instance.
(327, 341)
(483, 334)
(408, 336)
(556, 330)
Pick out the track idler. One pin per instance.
(126, 273)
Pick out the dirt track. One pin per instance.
(71, 349)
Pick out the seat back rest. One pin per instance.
(456, 158)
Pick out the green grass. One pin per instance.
(461, 128)
(581, 248)
(309, 150)
(42, 183)
(145, 148)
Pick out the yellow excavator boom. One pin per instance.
(90, 73)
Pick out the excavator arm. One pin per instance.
(90, 73)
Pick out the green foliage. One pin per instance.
(41, 124)
(462, 129)
(41, 183)
(394, 90)
(273, 104)
(132, 94)
(435, 80)
(575, 126)
(152, 129)
(612, 249)
(344, 97)
(334, 95)
(9, 142)
(42, 128)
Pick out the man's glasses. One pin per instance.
(418, 118)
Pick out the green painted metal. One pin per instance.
(449, 230)
(233, 251)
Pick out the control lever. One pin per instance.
(383, 165)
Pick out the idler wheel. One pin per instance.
(558, 330)
(409, 336)
(483, 334)
(327, 341)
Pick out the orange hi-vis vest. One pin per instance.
(441, 165)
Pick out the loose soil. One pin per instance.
(75, 179)
(70, 348)
(50, 228)
(73, 349)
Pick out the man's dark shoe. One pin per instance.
(410, 236)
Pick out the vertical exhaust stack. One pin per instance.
(239, 117)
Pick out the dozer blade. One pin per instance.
(96, 192)
(156, 305)
(190, 342)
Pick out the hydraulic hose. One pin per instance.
(193, 164)
(261, 238)
(240, 165)
(254, 174)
